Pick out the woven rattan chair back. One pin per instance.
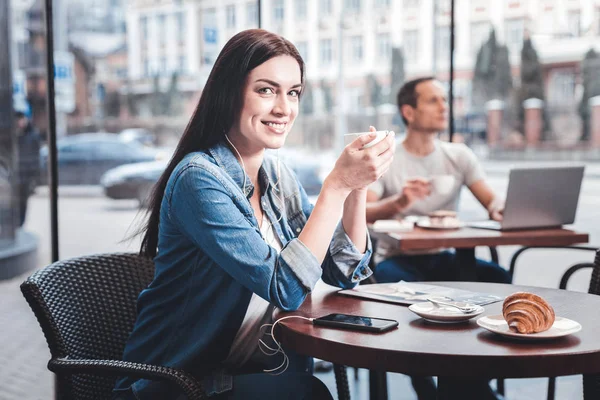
(86, 307)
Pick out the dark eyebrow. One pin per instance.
(273, 83)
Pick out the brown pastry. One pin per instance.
(527, 313)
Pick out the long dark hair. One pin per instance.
(220, 102)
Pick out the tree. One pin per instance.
(307, 103)
(492, 78)
(170, 99)
(532, 83)
(374, 89)
(590, 67)
(397, 76)
(327, 98)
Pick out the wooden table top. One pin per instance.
(419, 347)
(420, 238)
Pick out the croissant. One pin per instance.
(527, 313)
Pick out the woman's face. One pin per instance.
(270, 104)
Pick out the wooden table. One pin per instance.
(466, 239)
(454, 351)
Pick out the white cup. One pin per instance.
(442, 184)
(380, 135)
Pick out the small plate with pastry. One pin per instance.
(441, 219)
(527, 316)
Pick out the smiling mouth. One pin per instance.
(278, 128)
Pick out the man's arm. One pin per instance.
(414, 189)
(382, 209)
(486, 196)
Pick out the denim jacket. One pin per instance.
(212, 257)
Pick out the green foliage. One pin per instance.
(590, 67)
(492, 77)
(532, 83)
(397, 73)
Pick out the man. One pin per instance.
(406, 189)
(29, 164)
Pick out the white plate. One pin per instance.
(392, 225)
(430, 312)
(425, 223)
(561, 327)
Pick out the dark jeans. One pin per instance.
(438, 267)
(434, 267)
(296, 383)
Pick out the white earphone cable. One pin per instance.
(273, 351)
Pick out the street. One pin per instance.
(91, 223)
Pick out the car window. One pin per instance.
(115, 149)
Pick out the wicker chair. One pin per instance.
(86, 307)
(591, 383)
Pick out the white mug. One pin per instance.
(380, 135)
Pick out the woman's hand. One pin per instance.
(357, 168)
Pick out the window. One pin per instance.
(324, 8)
(303, 50)
(146, 64)
(561, 88)
(300, 10)
(384, 48)
(411, 3)
(514, 35)
(161, 29)
(574, 23)
(442, 7)
(480, 32)
(442, 44)
(326, 51)
(382, 3)
(163, 65)
(356, 48)
(411, 45)
(182, 64)
(181, 27)
(278, 11)
(252, 14)
(230, 16)
(352, 6)
(144, 28)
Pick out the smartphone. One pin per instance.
(356, 322)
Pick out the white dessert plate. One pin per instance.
(561, 327)
(444, 314)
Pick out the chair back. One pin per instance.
(86, 307)
(591, 383)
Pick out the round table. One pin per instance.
(463, 350)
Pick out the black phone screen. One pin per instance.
(356, 322)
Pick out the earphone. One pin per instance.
(276, 186)
(274, 351)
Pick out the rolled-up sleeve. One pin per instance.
(344, 265)
(204, 209)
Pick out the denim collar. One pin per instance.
(227, 160)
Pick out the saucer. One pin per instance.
(425, 223)
(561, 327)
(443, 314)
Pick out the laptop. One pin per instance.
(539, 198)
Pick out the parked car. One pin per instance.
(137, 135)
(84, 158)
(132, 181)
(135, 181)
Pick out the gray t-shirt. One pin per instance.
(447, 159)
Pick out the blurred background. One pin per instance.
(128, 74)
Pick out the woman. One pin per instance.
(233, 235)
